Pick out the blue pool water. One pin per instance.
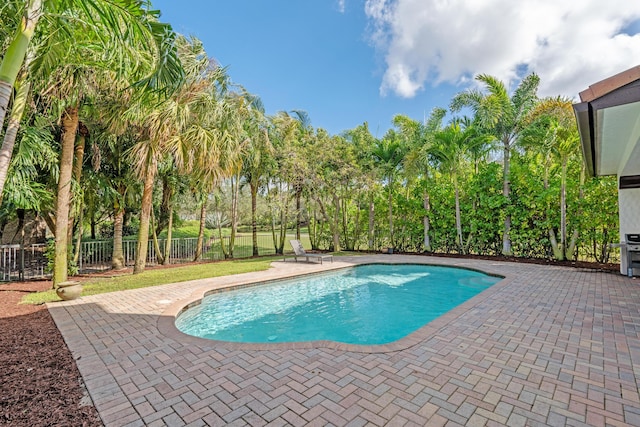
(369, 304)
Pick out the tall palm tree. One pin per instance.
(185, 127)
(452, 148)
(420, 137)
(504, 117)
(553, 132)
(388, 154)
(256, 163)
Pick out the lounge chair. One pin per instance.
(299, 252)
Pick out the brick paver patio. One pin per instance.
(545, 346)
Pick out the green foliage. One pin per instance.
(49, 253)
(599, 219)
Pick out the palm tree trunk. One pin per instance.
(145, 215)
(167, 247)
(284, 215)
(506, 192)
(117, 257)
(391, 214)
(557, 250)
(159, 253)
(426, 204)
(254, 226)
(19, 104)
(298, 211)
(15, 54)
(78, 156)
(372, 218)
(235, 195)
(458, 219)
(563, 208)
(203, 217)
(69, 129)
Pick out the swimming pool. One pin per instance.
(369, 304)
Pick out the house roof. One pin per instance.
(609, 124)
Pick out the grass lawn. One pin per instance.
(244, 245)
(160, 276)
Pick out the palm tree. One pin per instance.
(388, 154)
(420, 139)
(185, 127)
(504, 117)
(452, 147)
(553, 132)
(124, 28)
(256, 163)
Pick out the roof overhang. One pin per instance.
(609, 124)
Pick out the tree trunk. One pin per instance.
(167, 247)
(357, 228)
(235, 195)
(69, 129)
(14, 55)
(19, 229)
(78, 248)
(17, 111)
(558, 252)
(573, 244)
(165, 206)
(159, 253)
(78, 157)
(426, 204)
(254, 226)
(203, 218)
(145, 214)
(372, 218)
(391, 214)
(335, 229)
(458, 219)
(284, 214)
(563, 208)
(298, 211)
(506, 192)
(117, 257)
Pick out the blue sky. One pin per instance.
(345, 62)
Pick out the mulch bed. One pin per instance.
(40, 384)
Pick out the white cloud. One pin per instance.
(341, 5)
(569, 43)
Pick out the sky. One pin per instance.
(346, 62)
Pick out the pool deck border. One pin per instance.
(547, 345)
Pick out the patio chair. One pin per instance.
(299, 252)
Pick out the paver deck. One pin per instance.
(545, 346)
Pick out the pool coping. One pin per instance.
(166, 321)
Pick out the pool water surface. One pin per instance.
(369, 305)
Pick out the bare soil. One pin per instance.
(40, 384)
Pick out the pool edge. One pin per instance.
(166, 321)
